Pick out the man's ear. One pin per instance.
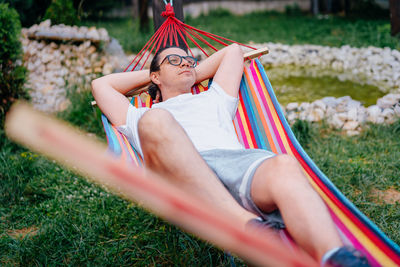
(154, 78)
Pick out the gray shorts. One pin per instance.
(235, 169)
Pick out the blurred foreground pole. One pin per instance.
(395, 16)
(159, 7)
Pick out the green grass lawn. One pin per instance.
(51, 216)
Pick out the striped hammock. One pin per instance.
(260, 123)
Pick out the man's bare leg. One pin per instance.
(280, 183)
(167, 150)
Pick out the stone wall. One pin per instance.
(377, 66)
(60, 56)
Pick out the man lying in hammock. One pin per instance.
(191, 140)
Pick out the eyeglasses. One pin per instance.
(176, 60)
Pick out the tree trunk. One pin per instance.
(135, 9)
(139, 8)
(328, 6)
(347, 7)
(158, 7)
(395, 16)
(337, 6)
(314, 7)
(144, 17)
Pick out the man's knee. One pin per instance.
(155, 123)
(285, 170)
(285, 161)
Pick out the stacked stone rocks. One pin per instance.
(376, 66)
(60, 56)
(379, 66)
(345, 113)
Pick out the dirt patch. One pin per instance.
(389, 196)
(22, 233)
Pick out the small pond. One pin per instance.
(307, 84)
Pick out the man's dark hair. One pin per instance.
(154, 66)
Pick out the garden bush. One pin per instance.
(62, 12)
(30, 11)
(97, 9)
(12, 73)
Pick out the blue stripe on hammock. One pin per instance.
(250, 112)
(263, 114)
(258, 115)
(113, 144)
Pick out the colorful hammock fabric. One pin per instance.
(260, 123)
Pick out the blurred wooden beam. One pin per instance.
(196, 215)
(256, 53)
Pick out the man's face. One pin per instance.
(181, 76)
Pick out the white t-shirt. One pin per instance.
(206, 118)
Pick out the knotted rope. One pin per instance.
(168, 34)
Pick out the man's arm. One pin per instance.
(109, 92)
(226, 66)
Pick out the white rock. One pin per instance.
(47, 88)
(388, 115)
(344, 99)
(45, 24)
(330, 111)
(352, 132)
(315, 115)
(350, 125)
(388, 100)
(373, 113)
(304, 106)
(59, 82)
(319, 104)
(335, 121)
(303, 115)
(292, 116)
(387, 112)
(380, 120)
(396, 109)
(361, 115)
(107, 69)
(342, 116)
(353, 104)
(292, 106)
(93, 34)
(352, 114)
(46, 58)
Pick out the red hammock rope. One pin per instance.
(170, 31)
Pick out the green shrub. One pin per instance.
(97, 9)
(62, 12)
(30, 11)
(12, 74)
